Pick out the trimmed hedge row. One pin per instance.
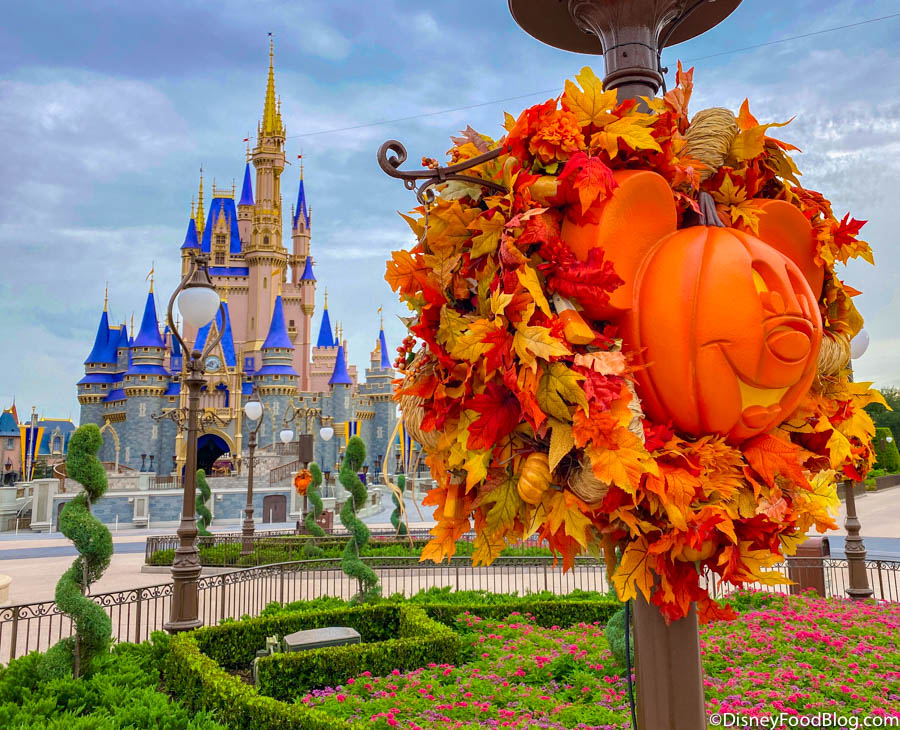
(419, 641)
(410, 636)
(201, 684)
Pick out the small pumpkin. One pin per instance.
(534, 478)
(694, 555)
(302, 480)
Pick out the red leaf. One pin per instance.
(586, 281)
(500, 414)
(588, 177)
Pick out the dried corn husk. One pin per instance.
(709, 138)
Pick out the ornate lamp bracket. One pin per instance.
(392, 154)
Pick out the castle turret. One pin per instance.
(146, 382)
(191, 243)
(99, 373)
(300, 233)
(276, 380)
(265, 256)
(377, 412)
(245, 206)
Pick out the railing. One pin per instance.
(170, 482)
(261, 539)
(136, 613)
(280, 473)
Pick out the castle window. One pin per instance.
(143, 377)
(9, 443)
(265, 283)
(142, 409)
(265, 240)
(220, 258)
(103, 386)
(276, 377)
(380, 432)
(56, 447)
(220, 239)
(87, 387)
(291, 323)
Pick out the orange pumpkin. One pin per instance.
(534, 478)
(724, 325)
(693, 555)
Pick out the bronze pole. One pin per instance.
(248, 527)
(854, 549)
(185, 613)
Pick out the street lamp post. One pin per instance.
(630, 34)
(198, 302)
(253, 409)
(854, 549)
(301, 416)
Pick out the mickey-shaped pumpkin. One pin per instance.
(724, 325)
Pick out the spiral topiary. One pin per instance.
(94, 543)
(399, 527)
(204, 515)
(310, 549)
(354, 457)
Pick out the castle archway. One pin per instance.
(210, 446)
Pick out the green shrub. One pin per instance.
(203, 494)
(354, 456)
(311, 549)
(201, 684)
(94, 544)
(887, 456)
(615, 638)
(419, 641)
(121, 692)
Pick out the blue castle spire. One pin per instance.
(190, 238)
(301, 208)
(278, 336)
(308, 274)
(149, 336)
(247, 189)
(100, 351)
(340, 376)
(325, 338)
(385, 362)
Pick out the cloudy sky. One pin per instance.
(108, 110)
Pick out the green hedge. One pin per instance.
(887, 456)
(202, 685)
(419, 641)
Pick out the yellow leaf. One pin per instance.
(563, 509)
(748, 213)
(491, 229)
(532, 342)
(499, 301)
(559, 387)
(593, 104)
(623, 465)
(486, 548)
(529, 279)
(505, 502)
(476, 468)
(442, 266)
(632, 130)
(634, 571)
(538, 517)
(839, 449)
(728, 194)
(561, 442)
(469, 344)
(448, 223)
(452, 325)
(751, 140)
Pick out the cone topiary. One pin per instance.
(399, 526)
(310, 549)
(94, 543)
(354, 457)
(204, 516)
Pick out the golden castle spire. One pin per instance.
(200, 222)
(193, 202)
(326, 297)
(271, 121)
(106, 297)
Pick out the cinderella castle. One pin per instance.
(268, 289)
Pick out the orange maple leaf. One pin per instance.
(635, 571)
(770, 457)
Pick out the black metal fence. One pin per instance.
(137, 612)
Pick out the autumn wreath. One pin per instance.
(554, 373)
(302, 480)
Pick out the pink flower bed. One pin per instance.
(795, 655)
